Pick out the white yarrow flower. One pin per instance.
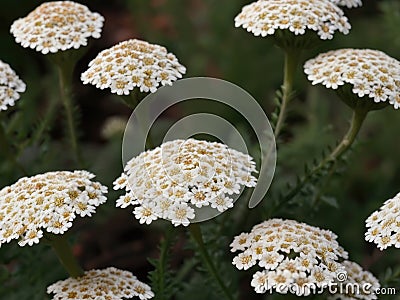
(371, 74)
(290, 253)
(133, 63)
(10, 86)
(384, 225)
(265, 17)
(110, 283)
(182, 176)
(47, 202)
(356, 276)
(57, 26)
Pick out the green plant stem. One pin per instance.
(162, 263)
(359, 115)
(47, 121)
(291, 62)
(132, 101)
(65, 71)
(197, 236)
(5, 147)
(64, 252)
(357, 120)
(356, 123)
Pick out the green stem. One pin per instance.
(162, 263)
(197, 236)
(47, 121)
(65, 71)
(356, 123)
(64, 252)
(359, 115)
(5, 146)
(291, 62)
(132, 101)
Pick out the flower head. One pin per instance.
(169, 181)
(298, 16)
(348, 3)
(357, 278)
(384, 225)
(370, 73)
(133, 63)
(57, 26)
(48, 201)
(290, 254)
(10, 86)
(110, 283)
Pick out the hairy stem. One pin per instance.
(358, 118)
(197, 236)
(162, 264)
(47, 121)
(65, 77)
(64, 252)
(291, 62)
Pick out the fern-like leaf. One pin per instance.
(162, 277)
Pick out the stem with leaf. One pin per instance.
(158, 276)
(291, 62)
(196, 234)
(359, 115)
(65, 71)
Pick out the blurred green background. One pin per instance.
(202, 35)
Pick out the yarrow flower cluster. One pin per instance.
(169, 181)
(48, 201)
(292, 254)
(10, 86)
(357, 284)
(110, 283)
(369, 72)
(384, 225)
(265, 17)
(57, 26)
(348, 3)
(133, 63)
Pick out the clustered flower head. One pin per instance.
(133, 63)
(110, 283)
(348, 3)
(48, 201)
(169, 181)
(291, 254)
(369, 72)
(57, 26)
(10, 86)
(384, 225)
(356, 277)
(264, 17)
